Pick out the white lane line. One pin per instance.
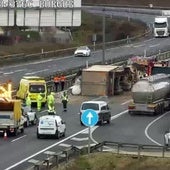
(35, 72)
(7, 73)
(19, 138)
(43, 150)
(155, 45)
(149, 125)
(128, 101)
(141, 45)
(112, 118)
(64, 145)
(79, 139)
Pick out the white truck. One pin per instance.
(161, 26)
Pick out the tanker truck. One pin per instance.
(151, 95)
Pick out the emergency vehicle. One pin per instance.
(32, 86)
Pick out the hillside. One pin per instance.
(163, 3)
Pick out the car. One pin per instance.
(51, 125)
(29, 116)
(82, 51)
(100, 107)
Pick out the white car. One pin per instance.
(51, 125)
(82, 51)
(100, 107)
(30, 117)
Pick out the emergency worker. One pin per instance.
(57, 82)
(64, 99)
(51, 103)
(28, 102)
(62, 79)
(39, 101)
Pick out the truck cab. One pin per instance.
(161, 26)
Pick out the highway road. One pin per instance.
(123, 128)
(15, 151)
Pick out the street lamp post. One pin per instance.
(15, 13)
(104, 26)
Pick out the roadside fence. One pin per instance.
(54, 159)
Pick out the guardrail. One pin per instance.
(54, 158)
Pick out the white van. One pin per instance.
(100, 107)
(51, 125)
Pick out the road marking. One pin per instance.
(18, 138)
(128, 101)
(140, 45)
(112, 118)
(149, 125)
(64, 145)
(45, 149)
(155, 45)
(35, 72)
(79, 139)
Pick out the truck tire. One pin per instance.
(15, 132)
(22, 130)
(57, 134)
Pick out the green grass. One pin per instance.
(110, 161)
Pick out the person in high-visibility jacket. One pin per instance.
(64, 99)
(51, 103)
(28, 102)
(39, 101)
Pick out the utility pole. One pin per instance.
(15, 13)
(104, 26)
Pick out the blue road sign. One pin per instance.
(89, 117)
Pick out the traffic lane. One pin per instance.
(30, 144)
(52, 66)
(156, 129)
(125, 129)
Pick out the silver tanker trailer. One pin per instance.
(151, 95)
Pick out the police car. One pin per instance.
(51, 125)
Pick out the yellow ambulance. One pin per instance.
(32, 86)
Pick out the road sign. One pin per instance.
(89, 117)
(40, 13)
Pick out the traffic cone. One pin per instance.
(5, 135)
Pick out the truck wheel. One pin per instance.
(22, 130)
(15, 132)
(64, 134)
(108, 121)
(57, 134)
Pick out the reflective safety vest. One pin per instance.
(28, 101)
(50, 99)
(64, 97)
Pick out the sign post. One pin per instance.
(89, 118)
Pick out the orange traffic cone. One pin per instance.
(5, 135)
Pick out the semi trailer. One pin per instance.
(151, 95)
